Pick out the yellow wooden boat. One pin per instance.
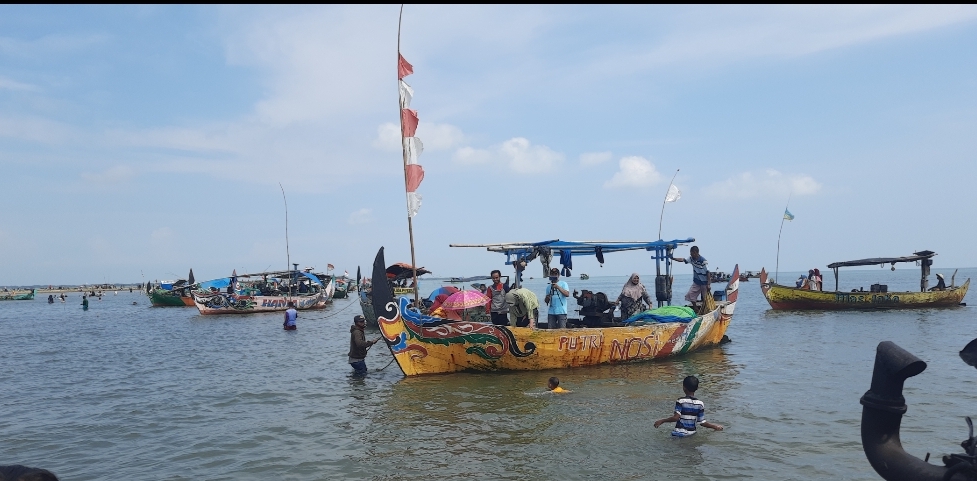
(784, 297)
(424, 344)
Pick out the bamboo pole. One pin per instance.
(403, 146)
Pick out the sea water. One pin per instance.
(127, 391)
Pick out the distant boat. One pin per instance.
(342, 288)
(171, 298)
(878, 295)
(584, 277)
(259, 292)
(17, 295)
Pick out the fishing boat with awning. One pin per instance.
(15, 295)
(172, 293)
(877, 297)
(259, 292)
(424, 344)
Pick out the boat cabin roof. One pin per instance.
(874, 261)
(580, 247)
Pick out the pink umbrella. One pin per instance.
(464, 300)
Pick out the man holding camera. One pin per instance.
(556, 297)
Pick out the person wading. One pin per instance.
(359, 346)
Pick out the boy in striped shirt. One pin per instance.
(689, 411)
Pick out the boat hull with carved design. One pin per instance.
(424, 344)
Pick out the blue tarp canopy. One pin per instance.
(580, 247)
(313, 278)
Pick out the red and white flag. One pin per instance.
(403, 68)
(412, 145)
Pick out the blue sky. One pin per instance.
(138, 142)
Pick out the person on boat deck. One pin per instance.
(940, 283)
(689, 411)
(290, 316)
(496, 307)
(800, 282)
(556, 298)
(633, 298)
(303, 288)
(818, 280)
(358, 345)
(700, 275)
(523, 307)
(554, 386)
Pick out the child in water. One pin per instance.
(689, 411)
(554, 386)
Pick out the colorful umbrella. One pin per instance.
(465, 300)
(449, 290)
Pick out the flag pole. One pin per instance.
(403, 146)
(662, 215)
(782, 219)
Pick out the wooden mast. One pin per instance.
(403, 146)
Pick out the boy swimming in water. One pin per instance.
(689, 411)
(554, 386)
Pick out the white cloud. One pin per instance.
(439, 136)
(518, 153)
(50, 44)
(469, 155)
(388, 137)
(595, 158)
(523, 157)
(112, 175)
(433, 136)
(10, 84)
(723, 35)
(40, 130)
(770, 182)
(634, 172)
(362, 216)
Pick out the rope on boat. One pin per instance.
(388, 365)
(334, 314)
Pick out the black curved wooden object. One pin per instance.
(883, 407)
(382, 294)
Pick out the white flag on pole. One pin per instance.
(673, 194)
(406, 95)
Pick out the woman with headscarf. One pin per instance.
(631, 297)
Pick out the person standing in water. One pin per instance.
(359, 346)
(688, 412)
(290, 316)
(84, 303)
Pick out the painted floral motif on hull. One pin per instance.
(486, 340)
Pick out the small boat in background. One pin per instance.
(16, 295)
(259, 292)
(172, 293)
(584, 277)
(877, 297)
(342, 288)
